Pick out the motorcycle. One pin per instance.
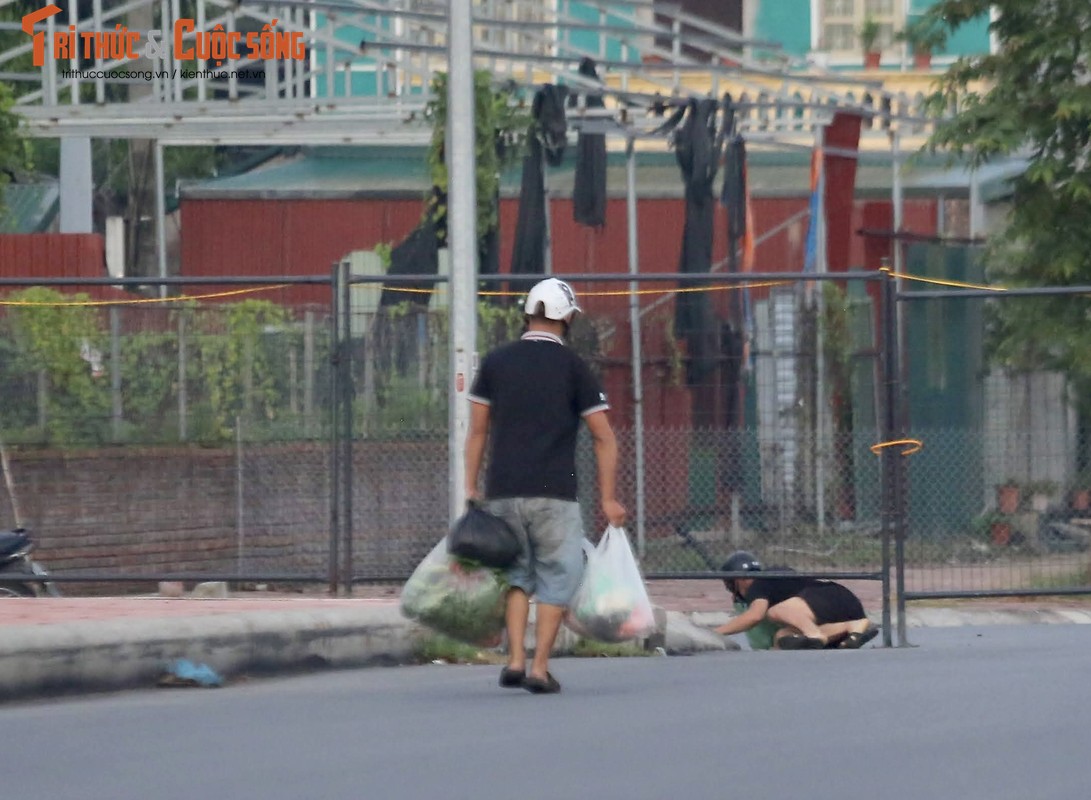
(20, 575)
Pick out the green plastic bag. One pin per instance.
(457, 598)
(761, 635)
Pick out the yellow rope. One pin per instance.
(143, 300)
(911, 446)
(612, 293)
(942, 282)
(434, 290)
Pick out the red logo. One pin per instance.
(39, 38)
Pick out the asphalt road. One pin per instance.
(991, 713)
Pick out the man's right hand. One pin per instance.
(615, 513)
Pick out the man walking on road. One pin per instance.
(526, 405)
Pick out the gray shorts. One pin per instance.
(551, 532)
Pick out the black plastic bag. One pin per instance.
(483, 537)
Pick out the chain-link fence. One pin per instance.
(215, 435)
(179, 434)
(997, 497)
(723, 441)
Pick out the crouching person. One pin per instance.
(807, 613)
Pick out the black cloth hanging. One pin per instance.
(697, 153)
(416, 254)
(548, 137)
(488, 254)
(733, 340)
(589, 190)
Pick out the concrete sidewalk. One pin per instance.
(69, 645)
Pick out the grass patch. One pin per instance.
(436, 647)
(589, 648)
(1072, 579)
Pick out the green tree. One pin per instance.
(500, 130)
(12, 148)
(1032, 97)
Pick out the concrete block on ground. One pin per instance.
(210, 590)
(685, 637)
(172, 589)
(709, 619)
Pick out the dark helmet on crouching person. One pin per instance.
(739, 561)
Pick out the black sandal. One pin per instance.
(512, 678)
(546, 685)
(854, 641)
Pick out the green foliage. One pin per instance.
(436, 647)
(869, 34)
(13, 151)
(236, 365)
(51, 340)
(924, 35)
(497, 324)
(237, 369)
(589, 648)
(500, 129)
(384, 251)
(1031, 96)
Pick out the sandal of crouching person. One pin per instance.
(854, 641)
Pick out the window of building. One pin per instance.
(842, 19)
(532, 40)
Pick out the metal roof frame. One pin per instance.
(788, 101)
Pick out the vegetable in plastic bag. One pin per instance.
(611, 603)
(454, 597)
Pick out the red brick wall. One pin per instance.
(154, 510)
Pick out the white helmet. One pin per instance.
(552, 298)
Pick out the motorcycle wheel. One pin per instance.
(14, 590)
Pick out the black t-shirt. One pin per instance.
(537, 391)
(777, 590)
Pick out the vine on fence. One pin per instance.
(58, 351)
(192, 372)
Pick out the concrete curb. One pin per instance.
(109, 655)
(90, 656)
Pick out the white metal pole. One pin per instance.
(547, 257)
(897, 201)
(821, 410)
(637, 350)
(160, 217)
(240, 518)
(461, 239)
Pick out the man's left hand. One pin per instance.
(615, 513)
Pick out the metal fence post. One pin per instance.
(894, 475)
(347, 392)
(115, 374)
(335, 450)
(890, 389)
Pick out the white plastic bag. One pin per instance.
(455, 598)
(611, 603)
